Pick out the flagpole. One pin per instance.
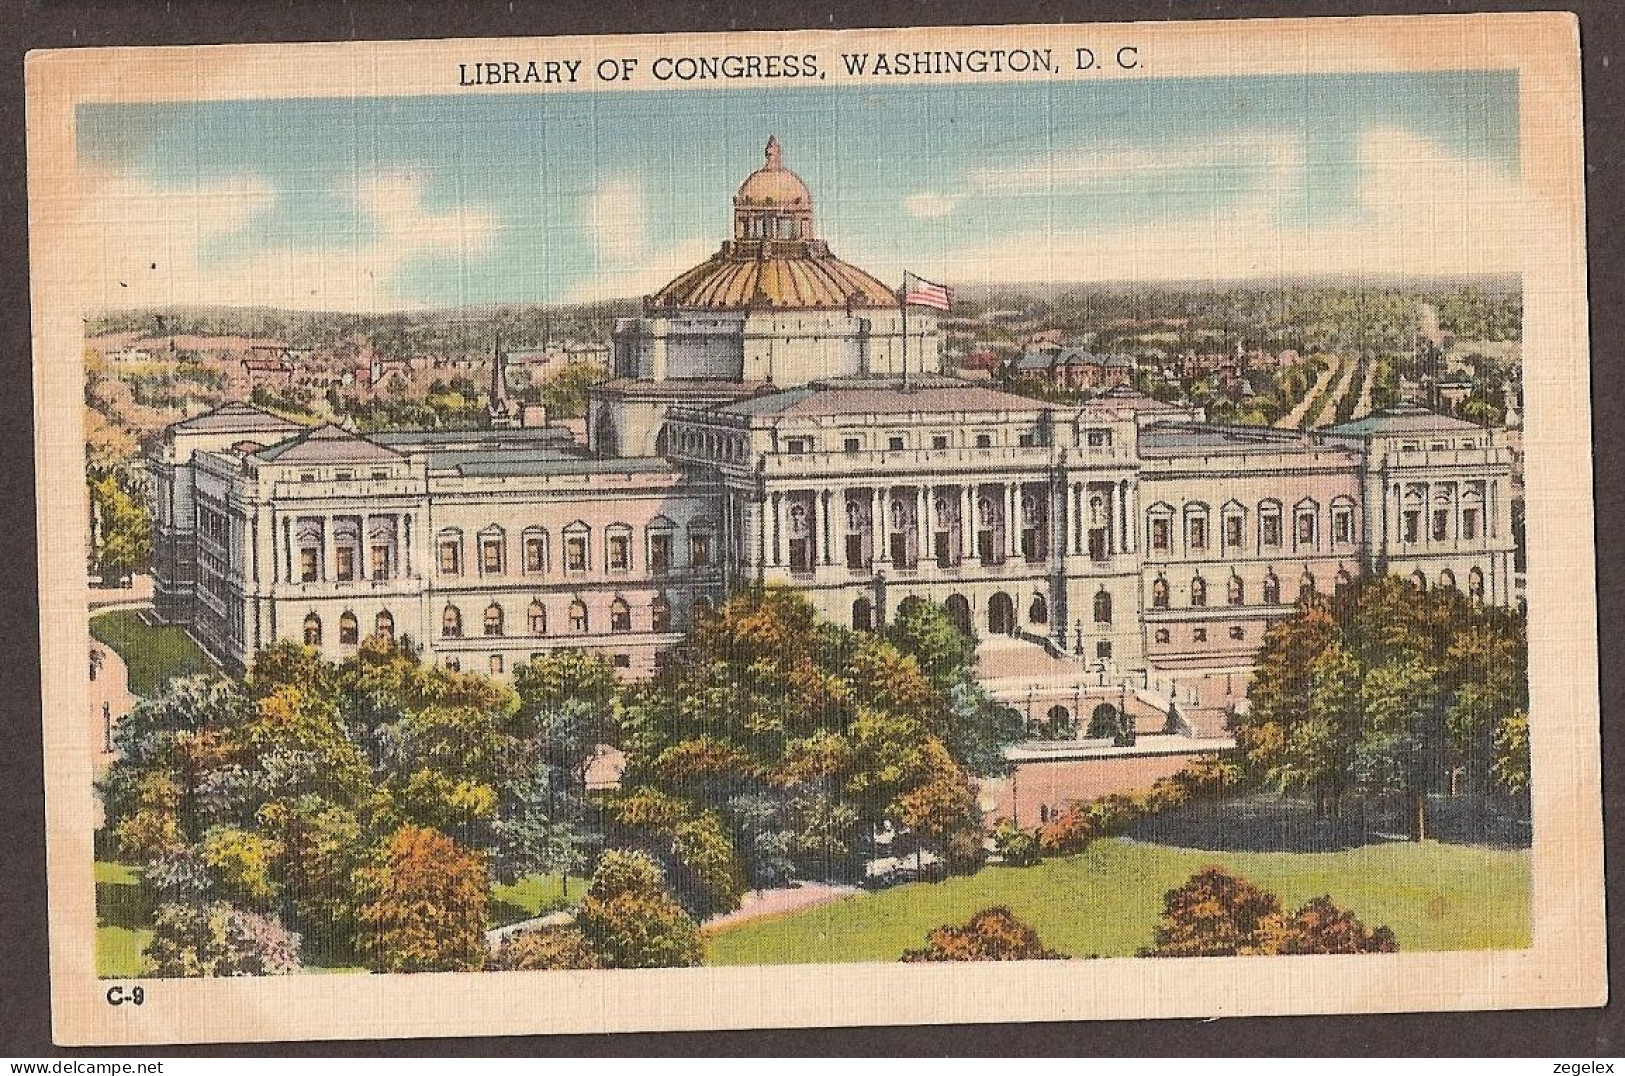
(903, 303)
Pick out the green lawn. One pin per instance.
(531, 896)
(123, 910)
(1106, 901)
(154, 655)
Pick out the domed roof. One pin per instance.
(774, 261)
(808, 281)
(773, 184)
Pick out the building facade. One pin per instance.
(775, 416)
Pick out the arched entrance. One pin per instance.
(604, 437)
(958, 610)
(863, 615)
(1001, 614)
(1058, 724)
(1104, 723)
(909, 605)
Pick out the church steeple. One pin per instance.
(500, 406)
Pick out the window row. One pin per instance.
(1236, 590)
(383, 625)
(659, 552)
(496, 664)
(1443, 517)
(493, 622)
(1237, 633)
(1193, 526)
(1447, 581)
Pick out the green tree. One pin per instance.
(632, 921)
(991, 934)
(124, 529)
(425, 905)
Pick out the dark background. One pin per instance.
(24, 976)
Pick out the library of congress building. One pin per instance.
(775, 415)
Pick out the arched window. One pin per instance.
(1447, 580)
(1306, 587)
(659, 614)
(620, 615)
(1475, 584)
(349, 629)
(1038, 611)
(451, 623)
(313, 630)
(493, 619)
(1103, 607)
(1198, 592)
(536, 617)
(578, 617)
(1058, 723)
(495, 665)
(1237, 592)
(1418, 580)
(1159, 593)
(383, 625)
(1272, 589)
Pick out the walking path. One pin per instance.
(1294, 418)
(1328, 414)
(762, 902)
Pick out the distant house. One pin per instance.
(129, 355)
(1073, 368)
(274, 373)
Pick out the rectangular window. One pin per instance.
(1269, 529)
(621, 661)
(344, 563)
(575, 553)
(491, 556)
(1198, 526)
(894, 444)
(1198, 635)
(1238, 633)
(699, 550)
(1413, 526)
(450, 558)
(1103, 650)
(535, 555)
(620, 552)
(851, 444)
(659, 552)
(1342, 526)
(939, 441)
(1232, 532)
(796, 446)
(1306, 529)
(1099, 438)
(854, 552)
(1441, 524)
(1026, 440)
(939, 542)
(1469, 524)
(984, 440)
(1159, 534)
(381, 567)
(308, 564)
(899, 549)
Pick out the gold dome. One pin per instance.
(774, 260)
(773, 184)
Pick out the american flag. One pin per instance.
(917, 291)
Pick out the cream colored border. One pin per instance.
(1564, 967)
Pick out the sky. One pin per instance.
(375, 204)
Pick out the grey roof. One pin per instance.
(1403, 419)
(500, 440)
(1120, 361)
(925, 395)
(544, 462)
(1130, 397)
(1033, 360)
(1173, 439)
(326, 444)
(237, 417)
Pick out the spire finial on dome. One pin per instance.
(773, 152)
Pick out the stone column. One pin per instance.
(877, 527)
(922, 523)
(967, 521)
(1012, 520)
(404, 538)
(778, 527)
(829, 530)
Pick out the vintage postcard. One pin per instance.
(818, 528)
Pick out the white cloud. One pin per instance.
(1418, 209)
(612, 216)
(641, 276)
(929, 204)
(151, 244)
